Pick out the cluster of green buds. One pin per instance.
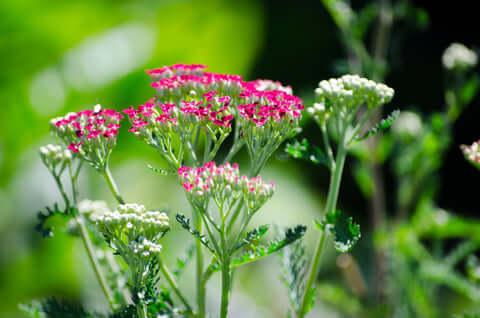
(472, 153)
(458, 57)
(132, 230)
(346, 94)
(56, 158)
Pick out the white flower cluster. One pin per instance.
(458, 56)
(145, 248)
(131, 222)
(93, 208)
(319, 112)
(55, 155)
(472, 153)
(351, 91)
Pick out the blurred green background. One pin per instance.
(60, 56)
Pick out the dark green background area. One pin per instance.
(295, 42)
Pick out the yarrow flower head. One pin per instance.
(176, 69)
(349, 92)
(90, 134)
(458, 57)
(267, 118)
(173, 83)
(157, 123)
(133, 230)
(472, 153)
(55, 157)
(223, 184)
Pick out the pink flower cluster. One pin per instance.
(176, 69)
(189, 81)
(86, 126)
(211, 179)
(213, 109)
(273, 105)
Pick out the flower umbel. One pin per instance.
(90, 134)
(224, 185)
(56, 158)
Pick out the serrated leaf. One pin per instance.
(161, 171)
(346, 233)
(259, 252)
(185, 223)
(383, 125)
(253, 235)
(303, 150)
(295, 269)
(45, 215)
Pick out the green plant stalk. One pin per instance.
(112, 185)
(226, 274)
(174, 285)
(334, 188)
(201, 285)
(93, 260)
(142, 311)
(225, 287)
(86, 240)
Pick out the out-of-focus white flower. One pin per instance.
(408, 123)
(458, 56)
(93, 208)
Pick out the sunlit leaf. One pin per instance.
(346, 233)
(469, 90)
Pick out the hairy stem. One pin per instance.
(334, 188)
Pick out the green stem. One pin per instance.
(225, 276)
(93, 259)
(174, 286)
(142, 310)
(112, 185)
(334, 188)
(225, 288)
(201, 287)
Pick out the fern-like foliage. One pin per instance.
(253, 235)
(185, 223)
(161, 171)
(305, 151)
(258, 252)
(346, 233)
(45, 215)
(57, 308)
(294, 271)
(383, 125)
